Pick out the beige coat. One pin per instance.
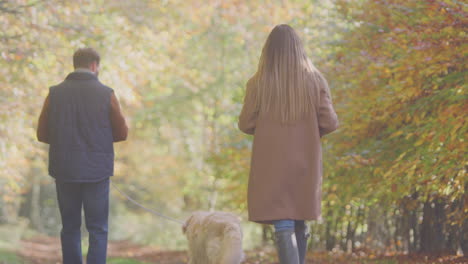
(286, 168)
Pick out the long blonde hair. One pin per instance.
(286, 83)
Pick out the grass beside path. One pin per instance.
(7, 257)
(124, 261)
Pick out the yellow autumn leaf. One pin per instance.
(396, 134)
(401, 156)
(419, 142)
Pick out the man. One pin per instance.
(80, 120)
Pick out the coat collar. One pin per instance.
(81, 75)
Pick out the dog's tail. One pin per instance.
(232, 246)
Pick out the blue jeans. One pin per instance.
(94, 199)
(301, 232)
(289, 224)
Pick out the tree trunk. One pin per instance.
(453, 227)
(432, 233)
(413, 218)
(329, 237)
(464, 227)
(396, 234)
(359, 220)
(35, 215)
(266, 234)
(464, 238)
(405, 229)
(350, 232)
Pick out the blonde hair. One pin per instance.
(286, 83)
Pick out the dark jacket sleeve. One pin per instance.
(327, 118)
(248, 116)
(42, 126)
(119, 125)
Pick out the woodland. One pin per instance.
(395, 172)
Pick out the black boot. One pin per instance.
(286, 245)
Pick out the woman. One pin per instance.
(287, 108)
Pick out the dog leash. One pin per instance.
(145, 208)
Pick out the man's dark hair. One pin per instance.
(84, 57)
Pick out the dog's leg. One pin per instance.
(231, 249)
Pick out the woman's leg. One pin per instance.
(286, 243)
(302, 235)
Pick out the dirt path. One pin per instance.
(46, 250)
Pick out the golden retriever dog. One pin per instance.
(214, 238)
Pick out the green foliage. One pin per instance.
(401, 100)
(7, 257)
(403, 121)
(123, 261)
